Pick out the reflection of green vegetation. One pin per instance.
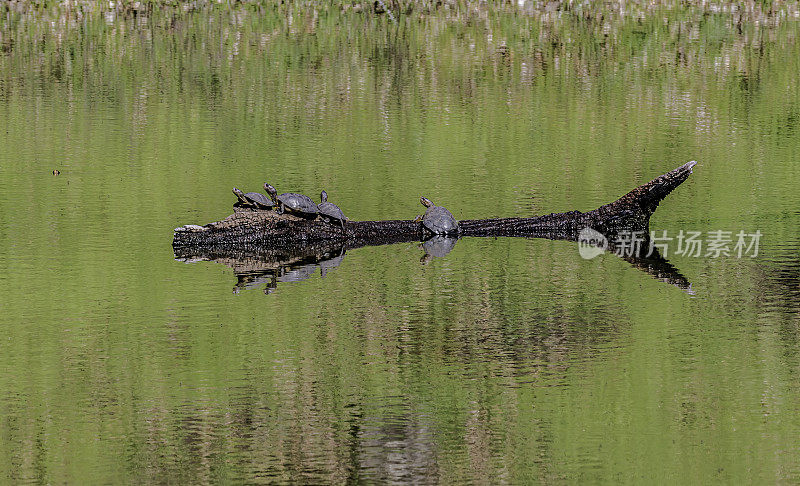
(290, 73)
(509, 359)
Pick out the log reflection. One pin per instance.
(266, 269)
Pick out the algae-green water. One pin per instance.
(507, 360)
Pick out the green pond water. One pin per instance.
(508, 360)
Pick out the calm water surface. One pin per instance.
(508, 360)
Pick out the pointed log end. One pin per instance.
(633, 210)
(683, 170)
(660, 187)
(649, 195)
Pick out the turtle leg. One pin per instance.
(280, 209)
(342, 222)
(418, 219)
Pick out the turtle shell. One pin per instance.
(331, 211)
(252, 199)
(298, 204)
(440, 221)
(258, 200)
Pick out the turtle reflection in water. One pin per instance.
(269, 280)
(437, 220)
(266, 274)
(298, 274)
(249, 281)
(437, 246)
(330, 263)
(292, 202)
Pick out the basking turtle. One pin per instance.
(437, 219)
(298, 204)
(330, 211)
(253, 200)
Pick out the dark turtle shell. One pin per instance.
(298, 204)
(253, 199)
(259, 200)
(438, 220)
(330, 211)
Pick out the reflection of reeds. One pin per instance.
(454, 9)
(522, 41)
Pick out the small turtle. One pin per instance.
(330, 211)
(437, 219)
(299, 204)
(253, 200)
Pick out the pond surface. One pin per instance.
(505, 361)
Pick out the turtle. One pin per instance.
(330, 211)
(437, 219)
(253, 199)
(299, 204)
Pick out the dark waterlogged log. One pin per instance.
(264, 247)
(265, 229)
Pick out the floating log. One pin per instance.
(265, 248)
(261, 230)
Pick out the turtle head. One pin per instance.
(425, 202)
(238, 193)
(323, 196)
(273, 194)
